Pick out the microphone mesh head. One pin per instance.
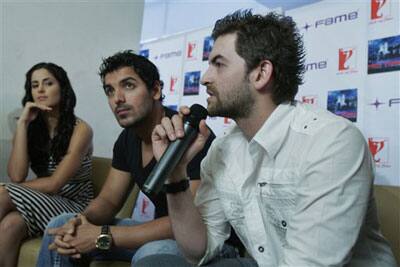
(197, 113)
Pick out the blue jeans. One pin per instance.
(228, 257)
(167, 260)
(52, 258)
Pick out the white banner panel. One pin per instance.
(334, 36)
(382, 98)
(352, 69)
(182, 59)
(167, 54)
(353, 63)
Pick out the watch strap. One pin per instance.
(173, 188)
(105, 229)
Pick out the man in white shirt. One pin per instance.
(294, 181)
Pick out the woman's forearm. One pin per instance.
(18, 163)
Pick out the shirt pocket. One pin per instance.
(277, 201)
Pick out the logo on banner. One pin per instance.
(376, 6)
(379, 148)
(172, 83)
(309, 99)
(144, 210)
(343, 103)
(384, 54)
(380, 10)
(227, 121)
(173, 107)
(376, 103)
(329, 21)
(347, 60)
(192, 83)
(391, 103)
(316, 65)
(394, 101)
(145, 53)
(191, 50)
(227, 125)
(306, 26)
(207, 47)
(170, 54)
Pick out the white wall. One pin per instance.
(75, 35)
(3, 128)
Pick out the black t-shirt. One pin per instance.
(127, 156)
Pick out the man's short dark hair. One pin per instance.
(143, 67)
(271, 37)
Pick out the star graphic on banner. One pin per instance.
(307, 26)
(376, 103)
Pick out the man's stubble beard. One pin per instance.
(237, 103)
(136, 118)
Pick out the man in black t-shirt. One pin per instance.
(133, 88)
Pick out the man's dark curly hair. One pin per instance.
(271, 37)
(143, 67)
(40, 146)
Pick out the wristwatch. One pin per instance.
(104, 240)
(174, 188)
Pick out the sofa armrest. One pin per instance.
(29, 252)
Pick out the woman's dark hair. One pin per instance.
(271, 37)
(40, 146)
(143, 67)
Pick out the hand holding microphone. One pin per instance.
(175, 143)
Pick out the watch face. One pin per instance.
(103, 242)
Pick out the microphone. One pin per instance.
(175, 151)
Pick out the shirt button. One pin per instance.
(261, 249)
(284, 223)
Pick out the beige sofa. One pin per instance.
(388, 203)
(30, 248)
(387, 199)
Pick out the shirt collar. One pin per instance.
(274, 130)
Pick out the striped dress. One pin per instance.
(38, 208)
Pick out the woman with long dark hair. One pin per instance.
(57, 146)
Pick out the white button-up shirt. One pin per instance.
(298, 194)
